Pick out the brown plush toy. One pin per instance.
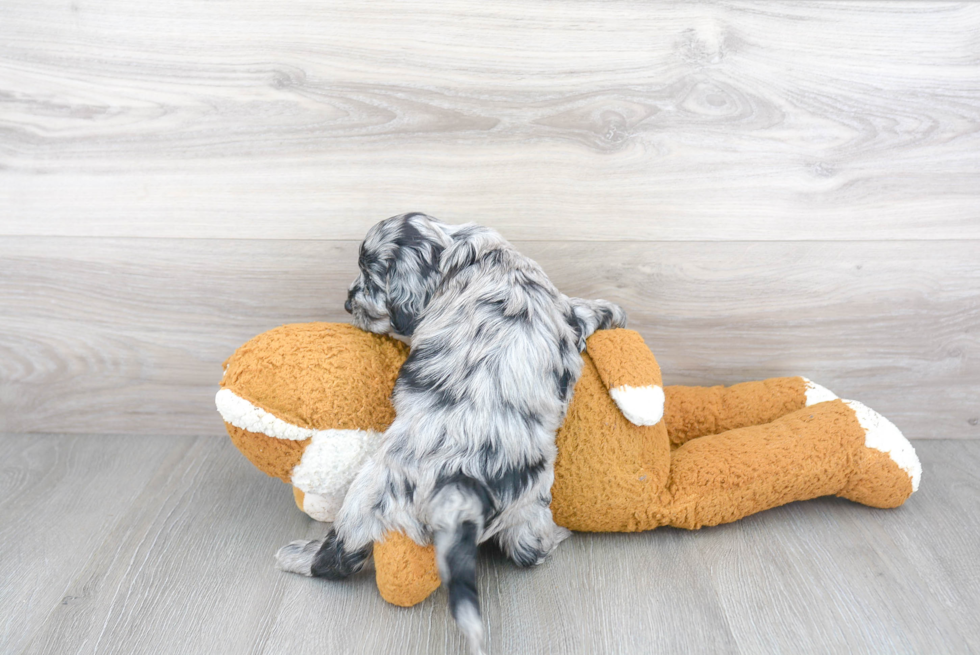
(307, 403)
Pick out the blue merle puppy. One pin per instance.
(495, 353)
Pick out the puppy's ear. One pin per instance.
(470, 243)
(412, 274)
(403, 318)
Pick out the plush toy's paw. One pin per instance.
(297, 556)
(816, 393)
(888, 470)
(881, 434)
(640, 405)
(318, 508)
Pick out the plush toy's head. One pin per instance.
(307, 403)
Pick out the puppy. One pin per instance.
(495, 354)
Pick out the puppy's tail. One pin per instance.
(459, 564)
(459, 511)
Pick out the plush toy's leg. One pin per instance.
(692, 412)
(406, 573)
(831, 448)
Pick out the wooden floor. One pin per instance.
(123, 544)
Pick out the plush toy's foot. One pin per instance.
(888, 470)
(816, 393)
(318, 508)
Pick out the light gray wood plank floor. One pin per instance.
(152, 544)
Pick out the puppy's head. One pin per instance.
(399, 270)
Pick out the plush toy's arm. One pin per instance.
(692, 412)
(630, 372)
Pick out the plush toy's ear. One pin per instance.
(630, 372)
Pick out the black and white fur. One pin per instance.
(495, 353)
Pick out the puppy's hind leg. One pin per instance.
(531, 534)
(351, 539)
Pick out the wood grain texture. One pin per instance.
(179, 560)
(59, 498)
(153, 584)
(592, 120)
(128, 335)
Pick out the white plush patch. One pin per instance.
(242, 414)
(881, 434)
(816, 393)
(329, 462)
(641, 405)
(322, 508)
(332, 459)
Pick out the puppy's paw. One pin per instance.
(297, 556)
(619, 317)
(559, 535)
(528, 545)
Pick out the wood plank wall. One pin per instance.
(769, 188)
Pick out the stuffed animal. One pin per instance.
(307, 403)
